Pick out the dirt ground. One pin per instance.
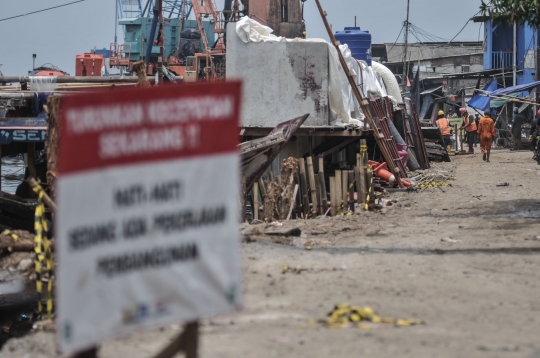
(479, 296)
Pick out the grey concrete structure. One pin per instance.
(282, 80)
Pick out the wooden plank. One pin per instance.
(255, 196)
(312, 185)
(338, 188)
(88, 353)
(362, 168)
(351, 190)
(187, 342)
(304, 188)
(344, 189)
(324, 195)
(358, 183)
(262, 187)
(243, 200)
(293, 202)
(333, 199)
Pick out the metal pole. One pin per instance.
(182, 19)
(161, 40)
(115, 20)
(404, 83)
(514, 75)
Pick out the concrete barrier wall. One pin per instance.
(282, 80)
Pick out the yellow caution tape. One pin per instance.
(42, 248)
(433, 184)
(14, 236)
(345, 314)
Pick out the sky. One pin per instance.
(56, 36)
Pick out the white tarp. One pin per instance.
(341, 99)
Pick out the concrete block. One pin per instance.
(282, 80)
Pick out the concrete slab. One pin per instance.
(282, 80)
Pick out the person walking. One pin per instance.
(486, 132)
(476, 120)
(532, 132)
(444, 127)
(470, 127)
(517, 123)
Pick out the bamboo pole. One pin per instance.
(46, 199)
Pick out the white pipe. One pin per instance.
(389, 80)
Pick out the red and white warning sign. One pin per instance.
(147, 222)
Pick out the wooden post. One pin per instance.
(255, 196)
(262, 187)
(31, 162)
(370, 196)
(187, 342)
(304, 187)
(312, 184)
(362, 168)
(359, 200)
(333, 199)
(321, 164)
(338, 189)
(461, 139)
(351, 191)
(344, 189)
(89, 353)
(324, 197)
(243, 198)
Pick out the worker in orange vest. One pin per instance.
(486, 131)
(444, 127)
(470, 126)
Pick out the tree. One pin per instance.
(510, 11)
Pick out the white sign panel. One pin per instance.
(147, 222)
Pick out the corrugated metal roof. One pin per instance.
(417, 51)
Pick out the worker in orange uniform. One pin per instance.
(470, 126)
(444, 127)
(486, 131)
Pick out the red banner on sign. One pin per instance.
(140, 125)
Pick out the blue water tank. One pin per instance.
(358, 41)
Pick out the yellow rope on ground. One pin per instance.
(345, 315)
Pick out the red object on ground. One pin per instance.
(84, 61)
(49, 73)
(381, 170)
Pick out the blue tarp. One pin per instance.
(513, 89)
(481, 102)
